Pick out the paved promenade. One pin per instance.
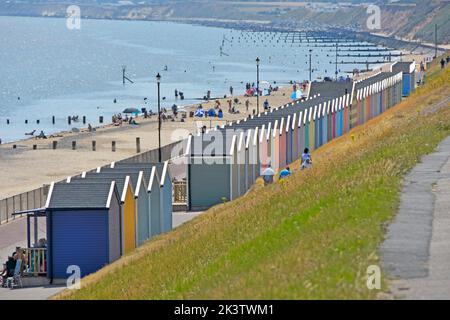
(416, 252)
(14, 234)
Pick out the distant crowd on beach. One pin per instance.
(251, 90)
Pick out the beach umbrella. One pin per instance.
(296, 95)
(199, 113)
(131, 110)
(211, 112)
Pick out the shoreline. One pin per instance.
(24, 169)
(140, 118)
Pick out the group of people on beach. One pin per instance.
(269, 173)
(18, 261)
(9, 266)
(118, 120)
(212, 112)
(252, 90)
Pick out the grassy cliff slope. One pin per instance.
(311, 236)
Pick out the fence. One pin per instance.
(36, 198)
(37, 261)
(179, 192)
(24, 201)
(151, 156)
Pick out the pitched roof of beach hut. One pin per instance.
(89, 196)
(331, 90)
(373, 79)
(122, 180)
(160, 171)
(224, 136)
(137, 175)
(403, 66)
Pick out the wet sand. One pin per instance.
(24, 169)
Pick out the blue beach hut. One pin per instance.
(83, 227)
(408, 70)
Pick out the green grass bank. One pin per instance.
(311, 236)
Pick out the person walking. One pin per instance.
(231, 90)
(306, 159)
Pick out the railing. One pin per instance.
(179, 192)
(21, 202)
(36, 198)
(37, 261)
(151, 156)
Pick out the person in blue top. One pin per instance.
(268, 174)
(285, 173)
(306, 159)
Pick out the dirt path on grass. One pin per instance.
(416, 252)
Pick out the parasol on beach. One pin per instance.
(131, 110)
(296, 95)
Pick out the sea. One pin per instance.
(48, 69)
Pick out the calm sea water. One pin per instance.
(61, 72)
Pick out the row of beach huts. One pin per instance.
(96, 217)
(236, 154)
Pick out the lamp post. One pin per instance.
(257, 85)
(336, 63)
(310, 66)
(158, 81)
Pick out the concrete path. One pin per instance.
(14, 234)
(416, 252)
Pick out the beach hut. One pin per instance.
(345, 114)
(312, 128)
(160, 190)
(329, 121)
(153, 190)
(301, 132)
(282, 142)
(323, 124)
(241, 165)
(253, 155)
(165, 193)
(139, 178)
(155, 203)
(212, 177)
(307, 127)
(290, 134)
(83, 227)
(264, 147)
(408, 70)
(275, 146)
(127, 199)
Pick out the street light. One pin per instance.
(310, 66)
(158, 81)
(257, 84)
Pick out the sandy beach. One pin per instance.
(24, 169)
